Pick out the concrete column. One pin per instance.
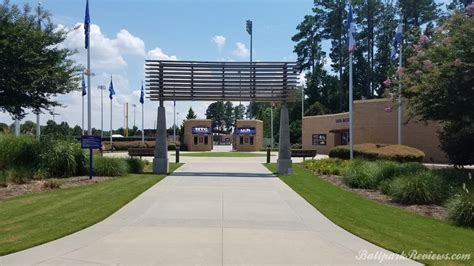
(160, 162)
(284, 150)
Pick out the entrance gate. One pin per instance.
(214, 81)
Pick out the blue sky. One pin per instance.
(126, 32)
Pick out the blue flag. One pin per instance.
(351, 31)
(87, 22)
(142, 95)
(111, 89)
(84, 90)
(396, 41)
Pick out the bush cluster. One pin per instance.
(372, 151)
(23, 158)
(330, 166)
(106, 166)
(461, 208)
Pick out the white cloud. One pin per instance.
(241, 50)
(157, 54)
(219, 40)
(106, 53)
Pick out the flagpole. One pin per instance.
(351, 115)
(400, 104)
(351, 138)
(271, 123)
(111, 132)
(82, 129)
(143, 125)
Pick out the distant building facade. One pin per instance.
(248, 135)
(375, 121)
(198, 134)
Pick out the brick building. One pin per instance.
(375, 121)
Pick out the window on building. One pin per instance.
(251, 140)
(344, 138)
(206, 139)
(241, 140)
(246, 140)
(195, 140)
(201, 139)
(319, 139)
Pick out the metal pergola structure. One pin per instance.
(229, 81)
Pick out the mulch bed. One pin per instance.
(33, 186)
(432, 210)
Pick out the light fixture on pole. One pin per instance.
(134, 109)
(102, 88)
(249, 28)
(174, 122)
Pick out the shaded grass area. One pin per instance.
(33, 219)
(221, 154)
(385, 226)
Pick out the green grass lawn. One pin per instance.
(221, 154)
(30, 220)
(385, 226)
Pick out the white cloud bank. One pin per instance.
(241, 50)
(219, 40)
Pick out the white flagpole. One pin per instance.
(82, 130)
(351, 129)
(143, 125)
(17, 127)
(271, 123)
(400, 104)
(111, 132)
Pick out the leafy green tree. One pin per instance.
(76, 131)
(239, 112)
(439, 81)
(4, 128)
(229, 119)
(191, 114)
(28, 127)
(33, 67)
(215, 112)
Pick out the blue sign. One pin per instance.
(245, 131)
(91, 142)
(342, 120)
(201, 130)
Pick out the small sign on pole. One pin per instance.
(91, 143)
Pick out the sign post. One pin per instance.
(91, 143)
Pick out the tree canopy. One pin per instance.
(33, 68)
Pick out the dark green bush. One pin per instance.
(3, 179)
(362, 174)
(61, 158)
(21, 151)
(421, 187)
(457, 141)
(20, 175)
(135, 165)
(106, 166)
(333, 166)
(461, 208)
(372, 151)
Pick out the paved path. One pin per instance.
(214, 211)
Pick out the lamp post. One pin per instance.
(174, 122)
(249, 28)
(101, 88)
(134, 109)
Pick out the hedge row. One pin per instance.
(371, 151)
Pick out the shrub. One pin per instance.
(3, 179)
(21, 151)
(135, 165)
(19, 175)
(372, 151)
(52, 184)
(361, 174)
(105, 166)
(333, 166)
(457, 141)
(461, 208)
(421, 187)
(61, 158)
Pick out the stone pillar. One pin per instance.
(284, 150)
(160, 162)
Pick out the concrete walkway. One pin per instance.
(212, 211)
